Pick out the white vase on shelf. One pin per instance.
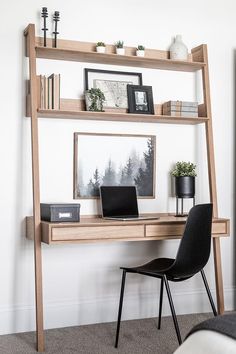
(178, 50)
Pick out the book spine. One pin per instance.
(49, 92)
(57, 92)
(46, 93)
(180, 105)
(53, 91)
(39, 91)
(168, 110)
(42, 91)
(180, 114)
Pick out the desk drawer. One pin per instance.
(218, 228)
(164, 230)
(97, 233)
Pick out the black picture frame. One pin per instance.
(113, 84)
(144, 93)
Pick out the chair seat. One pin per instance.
(155, 267)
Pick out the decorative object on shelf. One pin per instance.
(120, 50)
(140, 99)
(44, 15)
(140, 51)
(101, 47)
(56, 19)
(60, 212)
(114, 86)
(178, 50)
(94, 99)
(49, 91)
(180, 109)
(119, 160)
(184, 173)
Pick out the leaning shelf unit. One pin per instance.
(85, 52)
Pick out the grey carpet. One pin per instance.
(136, 337)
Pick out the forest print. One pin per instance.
(113, 160)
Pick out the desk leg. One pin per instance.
(218, 275)
(38, 291)
(31, 48)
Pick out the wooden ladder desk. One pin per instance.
(93, 229)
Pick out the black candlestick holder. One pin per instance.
(56, 19)
(44, 15)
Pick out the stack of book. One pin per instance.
(49, 91)
(180, 109)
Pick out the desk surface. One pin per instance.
(95, 229)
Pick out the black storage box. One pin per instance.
(60, 212)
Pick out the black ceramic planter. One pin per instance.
(185, 187)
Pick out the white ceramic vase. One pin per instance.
(101, 49)
(140, 53)
(120, 51)
(178, 50)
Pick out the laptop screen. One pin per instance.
(119, 201)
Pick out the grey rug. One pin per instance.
(136, 337)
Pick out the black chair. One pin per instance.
(192, 256)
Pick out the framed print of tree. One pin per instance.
(114, 159)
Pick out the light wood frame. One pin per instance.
(85, 52)
(76, 135)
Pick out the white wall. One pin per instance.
(81, 282)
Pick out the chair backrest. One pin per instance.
(195, 245)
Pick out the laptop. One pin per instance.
(120, 203)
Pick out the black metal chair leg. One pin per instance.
(172, 310)
(208, 292)
(120, 307)
(160, 303)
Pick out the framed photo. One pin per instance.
(140, 99)
(113, 84)
(113, 159)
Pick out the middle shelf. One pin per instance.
(123, 117)
(74, 109)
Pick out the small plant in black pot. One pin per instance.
(184, 173)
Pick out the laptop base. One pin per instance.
(131, 218)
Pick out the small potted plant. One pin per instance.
(94, 99)
(101, 47)
(184, 173)
(140, 51)
(120, 50)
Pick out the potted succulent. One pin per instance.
(140, 51)
(184, 173)
(94, 99)
(100, 47)
(120, 50)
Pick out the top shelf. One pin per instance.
(114, 59)
(86, 52)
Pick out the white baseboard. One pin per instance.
(97, 310)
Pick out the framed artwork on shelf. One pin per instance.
(114, 159)
(113, 84)
(140, 99)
